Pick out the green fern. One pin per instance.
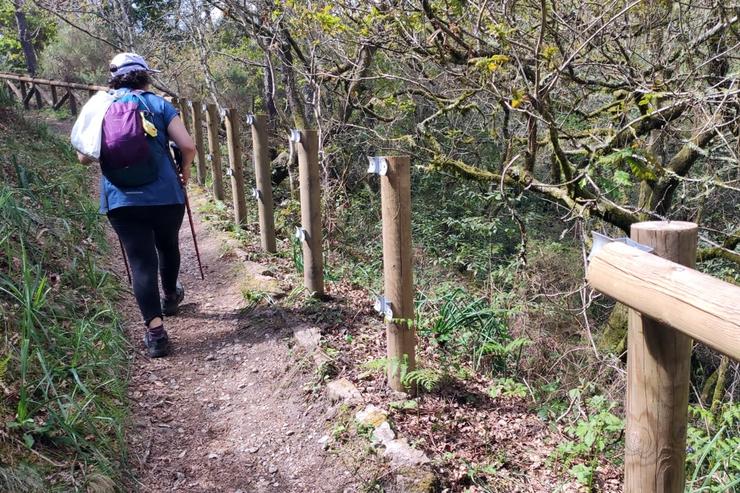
(426, 378)
(377, 365)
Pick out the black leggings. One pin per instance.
(150, 236)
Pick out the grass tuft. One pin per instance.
(63, 353)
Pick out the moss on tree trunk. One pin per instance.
(613, 338)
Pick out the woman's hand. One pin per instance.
(84, 159)
(185, 176)
(180, 136)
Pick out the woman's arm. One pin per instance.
(180, 136)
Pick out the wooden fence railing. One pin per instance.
(670, 302)
(28, 88)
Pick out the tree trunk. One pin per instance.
(269, 92)
(613, 338)
(295, 103)
(719, 388)
(24, 36)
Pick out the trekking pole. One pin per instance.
(192, 231)
(178, 169)
(125, 261)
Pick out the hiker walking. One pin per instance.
(141, 192)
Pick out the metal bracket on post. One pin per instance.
(295, 135)
(301, 234)
(256, 194)
(378, 165)
(383, 306)
(601, 240)
(249, 119)
(229, 172)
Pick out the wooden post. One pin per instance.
(395, 193)
(24, 94)
(38, 96)
(198, 136)
(62, 100)
(72, 102)
(214, 148)
(658, 360)
(16, 91)
(308, 169)
(263, 180)
(236, 171)
(54, 98)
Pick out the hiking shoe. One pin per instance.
(171, 303)
(157, 342)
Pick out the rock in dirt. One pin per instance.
(402, 454)
(383, 433)
(371, 416)
(324, 442)
(411, 480)
(343, 390)
(307, 337)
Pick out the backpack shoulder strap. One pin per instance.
(140, 96)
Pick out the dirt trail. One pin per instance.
(226, 411)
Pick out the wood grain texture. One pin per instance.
(701, 306)
(263, 180)
(201, 168)
(213, 122)
(395, 191)
(663, 295)
(237, 170)
(310, 190)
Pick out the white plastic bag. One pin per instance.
(88, 129)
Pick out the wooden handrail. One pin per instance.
(54, 83)
(697, 304)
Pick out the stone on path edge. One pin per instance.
(412, 472)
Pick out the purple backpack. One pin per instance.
(125, 157)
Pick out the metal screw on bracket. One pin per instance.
(295, 135)
(383, 306)
(301, 234)
(378, 165)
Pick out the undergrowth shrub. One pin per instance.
(594, 436)
(713, 456)
(6, 97)
(63, 352)
(470, 328)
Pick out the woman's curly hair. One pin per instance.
(136, 80)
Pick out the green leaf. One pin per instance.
(28, 440)
(622, 178)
